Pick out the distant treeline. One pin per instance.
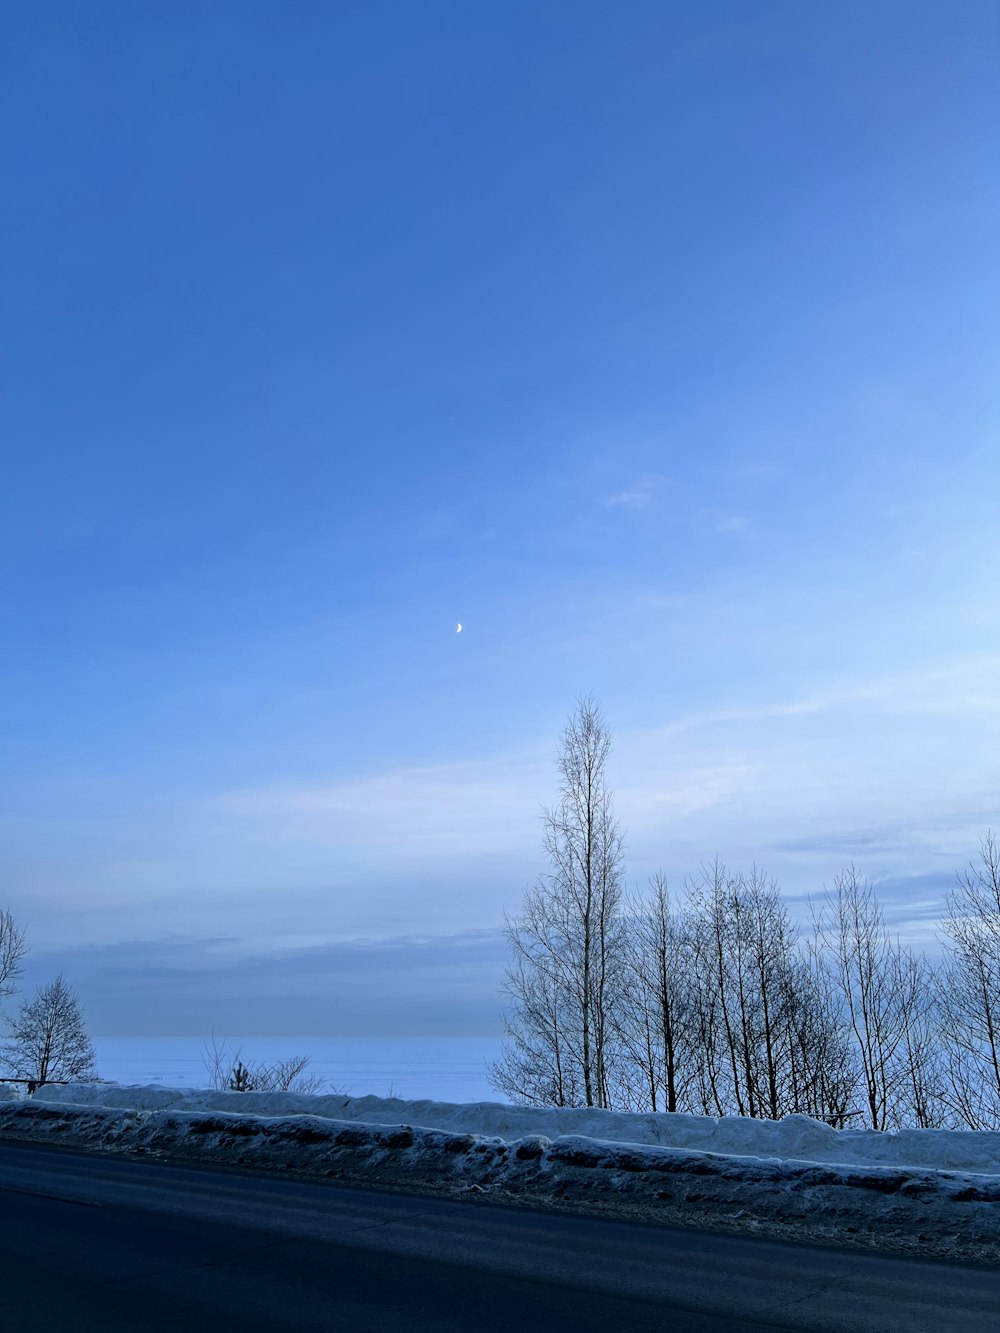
(715, 1002)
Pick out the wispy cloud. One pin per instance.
(969, 685)
(863, 768)
(686, 791)
(725, 523)
(446, 807)
(641, 495)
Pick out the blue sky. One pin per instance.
(656, 343)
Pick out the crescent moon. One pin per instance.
(458, 629)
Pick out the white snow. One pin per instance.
(919, 1190)
(796, 1138)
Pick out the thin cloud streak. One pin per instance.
(644, 493)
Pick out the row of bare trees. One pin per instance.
(716, 1002)
(727, 1009)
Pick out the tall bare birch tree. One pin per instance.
(567, 946)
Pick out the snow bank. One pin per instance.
(796, 1177)
(796, 1138)
(571, 1167)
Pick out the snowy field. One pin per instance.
(444, 1068)
(924, 1191)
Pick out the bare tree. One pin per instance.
(567, 946)
(869, 972)
(925, 1096)
(655, 1016)
(540, 1061)
(286, 1075)
(760, 1014)
(229, 1072)
(48, 1039)
(722, 931)
(12, 951)
(767, 946)
(971, 991)
(763, 1032)
(823, 1070)
(218, 1060)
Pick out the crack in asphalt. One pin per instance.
(41, 1194)
(819, 1290)
(389, 1221)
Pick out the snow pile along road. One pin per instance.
(796, 1138)
(936, 1190)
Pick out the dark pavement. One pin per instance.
(91, 1242)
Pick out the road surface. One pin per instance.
(89, 1242)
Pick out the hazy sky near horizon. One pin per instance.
(656, 343)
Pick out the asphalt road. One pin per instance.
(89, 1242)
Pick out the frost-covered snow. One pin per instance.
(796, 1138)
(927, 1191)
